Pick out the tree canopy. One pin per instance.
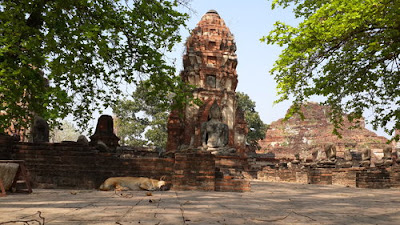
(66, 132)
(71, 56)
(345, 50)
(141, 121)
(256, 126)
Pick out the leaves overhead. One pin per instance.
(345, 50)
(71, 56)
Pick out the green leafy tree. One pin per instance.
(71, 56)
(141, 121)
(345, 50)
(66, 132)
(256, 126)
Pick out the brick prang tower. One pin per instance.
(209, 64)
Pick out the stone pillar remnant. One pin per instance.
(40, 130)
(366, 157)
(104, 133)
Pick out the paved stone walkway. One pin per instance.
(267, 203)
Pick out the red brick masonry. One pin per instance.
(69, 164)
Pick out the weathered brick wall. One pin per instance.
(301, 177)
(256, 166)
(283, 175)
(204, 171)
(69, 164)
(320, 176)
(230, 175)
(194, 171)
(351, 177)
(395, 177)
(345, 176)
(58, 165)
(55, 165)
(373, 178)
(6, 144)
(267, 174)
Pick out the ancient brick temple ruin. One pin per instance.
(209, 64)
(206, 147)
(305, 150)
(285, 138)
(216, 130)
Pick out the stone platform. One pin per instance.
(266, 203)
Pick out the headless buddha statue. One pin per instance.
(214, 132)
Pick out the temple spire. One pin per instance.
(210, 65)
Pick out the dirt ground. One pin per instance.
(267, 203)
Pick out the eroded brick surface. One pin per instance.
(286, 138)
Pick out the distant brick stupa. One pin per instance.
(209, 64)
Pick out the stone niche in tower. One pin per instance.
(210, 64)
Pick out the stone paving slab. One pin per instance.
(267, 203)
